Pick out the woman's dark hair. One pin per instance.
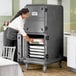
(22, 11)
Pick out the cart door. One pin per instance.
(35, 23)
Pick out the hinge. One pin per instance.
(47, 37)
(46, 28)
(46, 9)
(46, 55)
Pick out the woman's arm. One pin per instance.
(24, 34)
(27, 38)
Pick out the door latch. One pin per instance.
(47, 37)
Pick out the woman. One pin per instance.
(16, 25)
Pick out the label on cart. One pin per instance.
(34, 13)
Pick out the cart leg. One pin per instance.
(26, 65)
(44, 68)
(60, 64)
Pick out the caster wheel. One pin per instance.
(60, 64)
(44, 68)
(26, 65)
(23, 70)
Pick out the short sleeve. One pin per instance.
(21, 31)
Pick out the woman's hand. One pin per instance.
(27, 38)
(42, 40)
(31, 40)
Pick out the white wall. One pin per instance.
(5, 7)
(24, 3)
(66, 6)
(52, 2)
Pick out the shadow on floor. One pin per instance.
(52, 70)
